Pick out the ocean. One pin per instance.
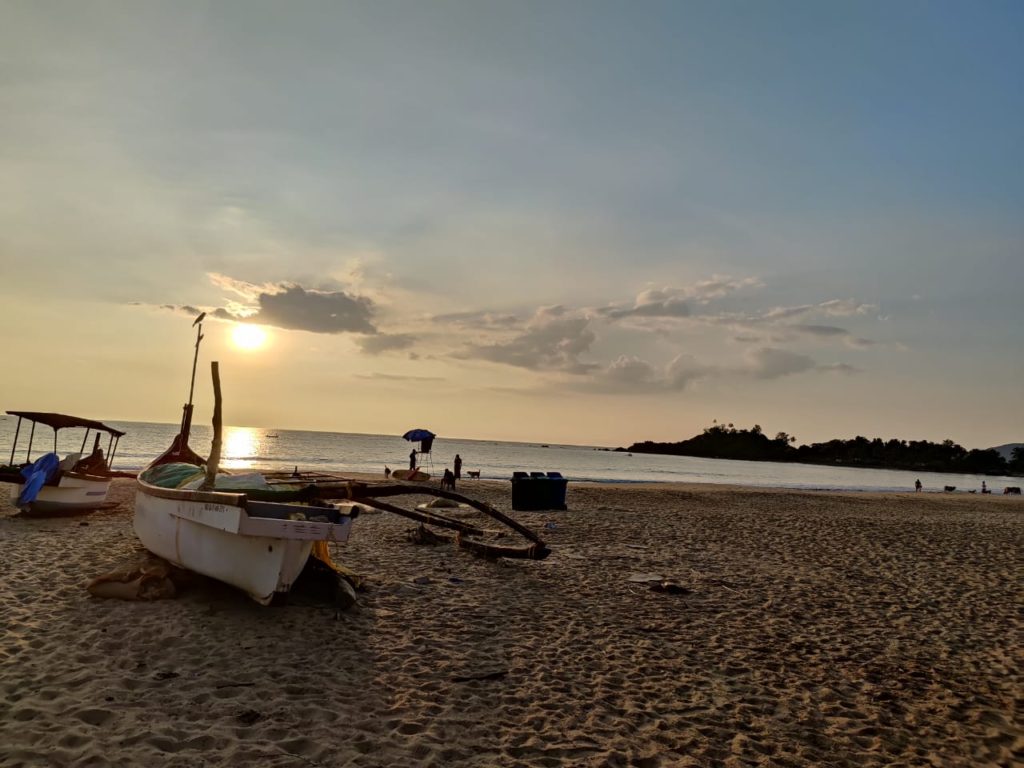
(250, 447)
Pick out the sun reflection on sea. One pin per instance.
(241, 448)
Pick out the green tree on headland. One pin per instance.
(726, 442)
(1017, 461)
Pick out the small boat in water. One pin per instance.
(52, 485)
(257, 531)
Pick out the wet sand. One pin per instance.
(816, 629)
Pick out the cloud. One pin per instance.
(655, 302)
(670, 302)
(831, 308)
(393, 377)
(719, 286)
(628, 373)
(684, 369)
(839, 368)
(293, 307)
(822, 330)
(298, 309)
(553, 340)
(858, 342)
(480, 319)
(184, 309)
(773, 363)
(247, 291)
(828, 332)
(846, 307)
(386, 342)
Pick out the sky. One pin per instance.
(574, 222)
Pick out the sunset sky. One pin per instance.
(577, 222)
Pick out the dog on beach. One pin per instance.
(473, 473)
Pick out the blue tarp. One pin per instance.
(36, 475)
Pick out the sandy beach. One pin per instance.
(814, 629)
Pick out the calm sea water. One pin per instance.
(247, 447)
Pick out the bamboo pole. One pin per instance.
(213, 462)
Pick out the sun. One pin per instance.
(248, 337)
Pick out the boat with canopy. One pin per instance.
(51, 484)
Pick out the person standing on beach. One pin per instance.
(412, 460)
(917, 485)
(458, 466)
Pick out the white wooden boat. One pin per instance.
(78, 482)
(258, 533)
(72, 492)
(260, 547)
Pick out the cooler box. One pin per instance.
(538, 490)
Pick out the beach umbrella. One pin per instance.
(422, 436)
(418, 435)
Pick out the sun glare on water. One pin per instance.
(248, 337)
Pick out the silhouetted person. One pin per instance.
(387, 471)
(412, 460)
(94, 462)
(448, 481)
(917, 485)
(458, 466)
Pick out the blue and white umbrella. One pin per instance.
(418, 435)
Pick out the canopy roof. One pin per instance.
(60, 421)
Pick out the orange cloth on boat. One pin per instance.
(323, 553)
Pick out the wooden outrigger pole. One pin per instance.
(213, 462)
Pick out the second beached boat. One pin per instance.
(52, 485)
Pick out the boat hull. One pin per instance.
(212, 534)
(72, 493)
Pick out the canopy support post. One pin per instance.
(14, 445)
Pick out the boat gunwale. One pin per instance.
(185, 494)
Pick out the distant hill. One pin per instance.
(724, 441)
(1006, 451)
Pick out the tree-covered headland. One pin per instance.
(724, 441)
